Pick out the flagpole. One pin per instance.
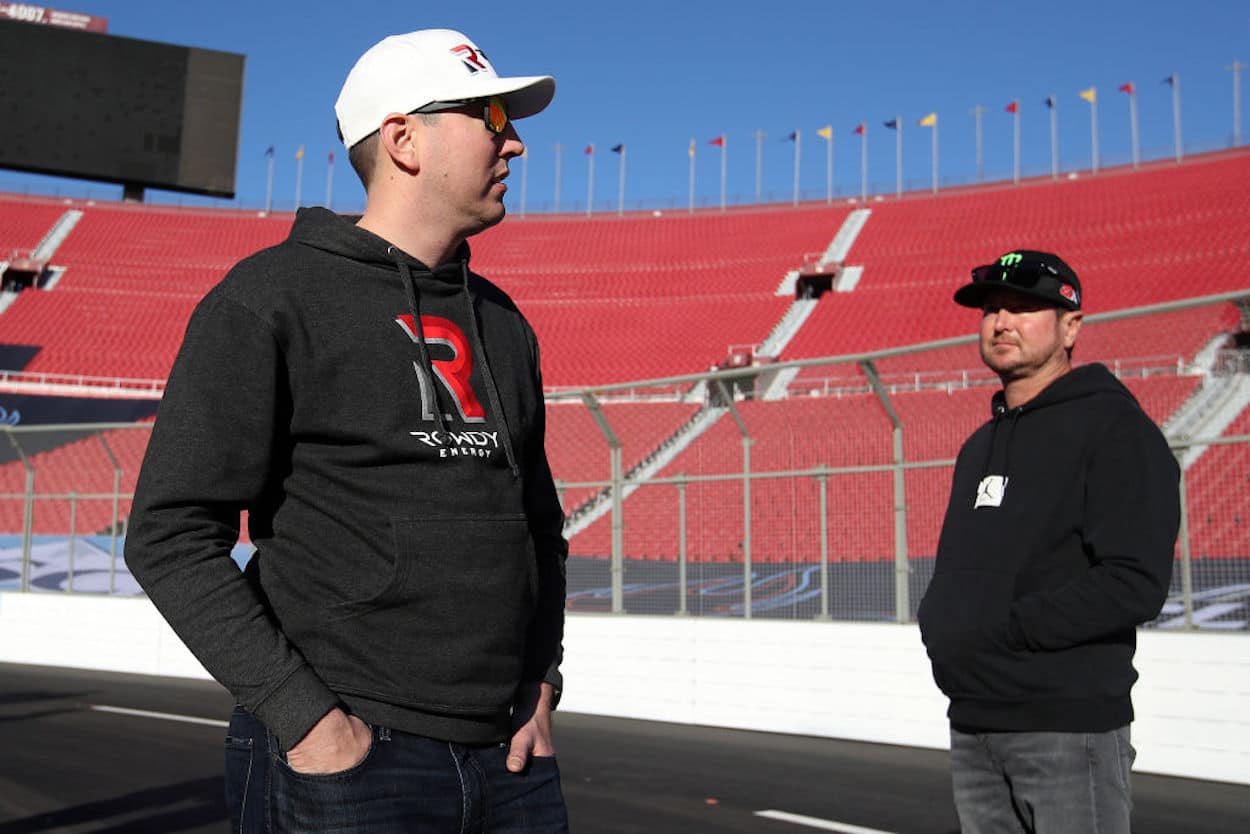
(590, 178)
(525, 170)
(1175, 81)
(1091, 95)
(935, 157)
(1132, 116)
(269, 183)
(863, 162)
(691, 202)
(1236, 69)
(1054, 137)
(1015, 144)
(559, 148)
(1093, 121)
(724, 148)
(759, 162)
(299, 175)
(329, 179)
(620, 191)
(976, 112)
(797, 139)
(829, 168)
(898, 156)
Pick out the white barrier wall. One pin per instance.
(862, 681)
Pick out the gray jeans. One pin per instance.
(1042, 783)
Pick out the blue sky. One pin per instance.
(653, 74)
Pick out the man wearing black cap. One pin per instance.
(1057, 543)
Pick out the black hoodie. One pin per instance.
(410, 559)
(1058, 541)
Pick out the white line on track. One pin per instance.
(816, 822)
(163, 716)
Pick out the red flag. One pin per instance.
(1014, 107)
(859, 128)
(590, 149)
(1127, 88)
(719, 140)
(331, 157)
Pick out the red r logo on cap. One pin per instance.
(472, 57)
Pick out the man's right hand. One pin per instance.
(336, 743)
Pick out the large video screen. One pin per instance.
(100, 107)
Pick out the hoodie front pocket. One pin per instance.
(449, 630)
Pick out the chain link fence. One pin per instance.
(701, 498)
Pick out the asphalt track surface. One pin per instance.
(67, 766)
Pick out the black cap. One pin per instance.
(1028, 272)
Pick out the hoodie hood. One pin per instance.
(1083, 381)
(342, 236)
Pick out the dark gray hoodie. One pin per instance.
(383, 426)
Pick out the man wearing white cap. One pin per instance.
(376, 408)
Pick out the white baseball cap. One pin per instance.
(404, 73)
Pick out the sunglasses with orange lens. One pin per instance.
(494, 111)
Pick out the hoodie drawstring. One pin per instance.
(492, 393)
(410, 290)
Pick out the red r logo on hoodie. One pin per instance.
(453, 373)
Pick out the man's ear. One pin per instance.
(398, 140)
(1071, 323)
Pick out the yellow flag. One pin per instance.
(1090, 95)
(691, 148)
(826, 132)
(300, 153)
(929, 120)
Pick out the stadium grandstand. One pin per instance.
(715, 378)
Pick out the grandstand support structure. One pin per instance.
(608, 498)
(902, 567)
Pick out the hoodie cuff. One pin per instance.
(292, 709)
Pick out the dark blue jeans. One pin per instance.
(1042, 783)
(406, 785)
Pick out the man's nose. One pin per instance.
(512, 144)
